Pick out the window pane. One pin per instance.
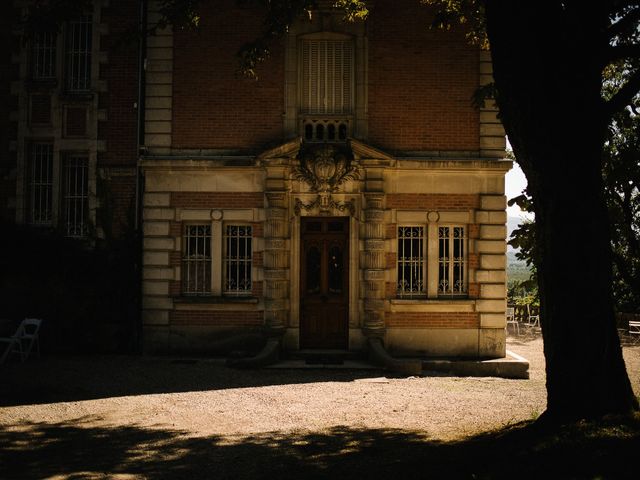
(41, 183)
(410, 262)
(196, 260)
(238, 260)
(43, 56)
(336, 269)
(452, 262)
(78, 54)
(75, 196)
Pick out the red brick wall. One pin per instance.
(433, 201)
(121, 74)
(432, 320)
(220, 318)
(123, 191)
(421, 82)
(213, 106)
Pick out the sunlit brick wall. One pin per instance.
(421, 82)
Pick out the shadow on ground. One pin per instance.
(605, 450)
(73, 378)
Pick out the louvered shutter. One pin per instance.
(327, 76)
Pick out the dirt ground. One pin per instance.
(160, 417)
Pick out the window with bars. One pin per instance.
(43, 56)
(452, 260)
(237, 260)
(40, 184)
(196, 260)
(411, 262)
(327, 77)
(75, 195)
(78, 46)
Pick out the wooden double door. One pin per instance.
(324, 282)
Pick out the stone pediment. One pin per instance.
(355, 148)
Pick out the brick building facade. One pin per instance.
(353, 192)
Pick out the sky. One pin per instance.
(514, 183)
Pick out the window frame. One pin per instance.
(226, 260)
(452, 262)
(47, 184)
(422, 259)
(67, 197)
(187, 259)
(37, 50)
(76, 56)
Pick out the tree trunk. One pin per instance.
(548, 78)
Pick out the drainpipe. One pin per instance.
(142, 54)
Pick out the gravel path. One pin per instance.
(159, 399)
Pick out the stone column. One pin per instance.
(276, 263)
(374, 264)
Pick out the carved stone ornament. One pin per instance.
(324, 168)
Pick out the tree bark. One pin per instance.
(547, 70)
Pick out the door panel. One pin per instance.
(324, 283)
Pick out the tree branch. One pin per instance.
(625, 24)
(624, 96)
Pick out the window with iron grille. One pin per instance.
(410, 262)
(75, 195)
(327, 77)
(43, 56)
(40, 184)
(78, 45)
(196, 260)
(237, 260)
(452, 260)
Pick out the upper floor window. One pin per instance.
(43, 56)
(78, 46)
(326, 93)
(327, 77)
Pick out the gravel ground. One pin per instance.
(157, 400)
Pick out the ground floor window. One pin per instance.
(57, 189)
(40, 184)
(196, 260)
(75, 195)
(237, 260)
(410, 262)
(452, 260)
(217, 261)
(431, 261)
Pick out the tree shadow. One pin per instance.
(73, 378)
(82, 450)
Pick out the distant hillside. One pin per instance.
(516, 269)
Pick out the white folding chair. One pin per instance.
(634, 330)
(23, 341)
(511, 319)
(533, 319)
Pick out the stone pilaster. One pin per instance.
(374, 264)
(276, 263)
